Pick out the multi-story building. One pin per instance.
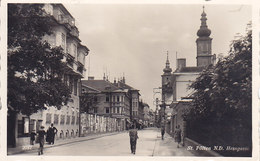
(117, 100)
(66, 35)
(110, 100)
(133, 99)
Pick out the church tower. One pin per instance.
(166, 77)
(204, 55)
(167, 90)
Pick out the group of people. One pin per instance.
(40, 137)
(177, 134)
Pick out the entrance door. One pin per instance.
(11, 129)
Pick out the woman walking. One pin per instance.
(178, 135)
(41, 133)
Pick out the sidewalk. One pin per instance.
(60, 142)
(168, 147)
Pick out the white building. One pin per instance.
(66, 120)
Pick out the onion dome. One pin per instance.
(203, 31)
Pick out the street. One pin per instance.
(148, 144)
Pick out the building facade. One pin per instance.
(66, 35)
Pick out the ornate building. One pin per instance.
(66, 35)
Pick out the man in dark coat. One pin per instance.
(40, 134)
(51, 134)
(162, 131)
(133, 138)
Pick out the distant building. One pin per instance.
(117, 100)
(146, 115)
(134, 99)
(66, 120)
(109, 101)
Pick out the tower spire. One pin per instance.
(204, 56)
(167, 68)
(203, 31)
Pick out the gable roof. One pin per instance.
(125, 86)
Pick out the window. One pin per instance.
(62, 119)
(75, 87)
(107, 98)
(114, 98)
(23, 126)
(107, 109)
(38, 125)
(32, 125)
(118, 99)
(68, 120)
(72, 120)
(95, 109)
(77, 121)
(48, 118)
(63, 40)
(56, 119)
(71, 84)
(74, 50)
(118, 110)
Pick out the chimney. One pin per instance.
(114, 80)
(90, 78)
(104, 77)
(181, 63)
(123, 80)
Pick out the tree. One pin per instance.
(88, 102)
(222, 104)
(35, 69)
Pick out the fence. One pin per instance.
(92, 123)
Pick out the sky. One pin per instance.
(132, 39)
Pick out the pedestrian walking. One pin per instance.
(40, 135)
(162, 131)
(133, 138)
(32, 137)
(178, 135)
(51, 132)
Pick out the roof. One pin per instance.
(190, 69)
(125, 86)
(101, 85)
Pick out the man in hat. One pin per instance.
(41, 133)
(133, 138)
(51, 134)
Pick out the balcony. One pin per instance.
(74, 31)
(66, 20)
(80, 68)
(70, 60)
